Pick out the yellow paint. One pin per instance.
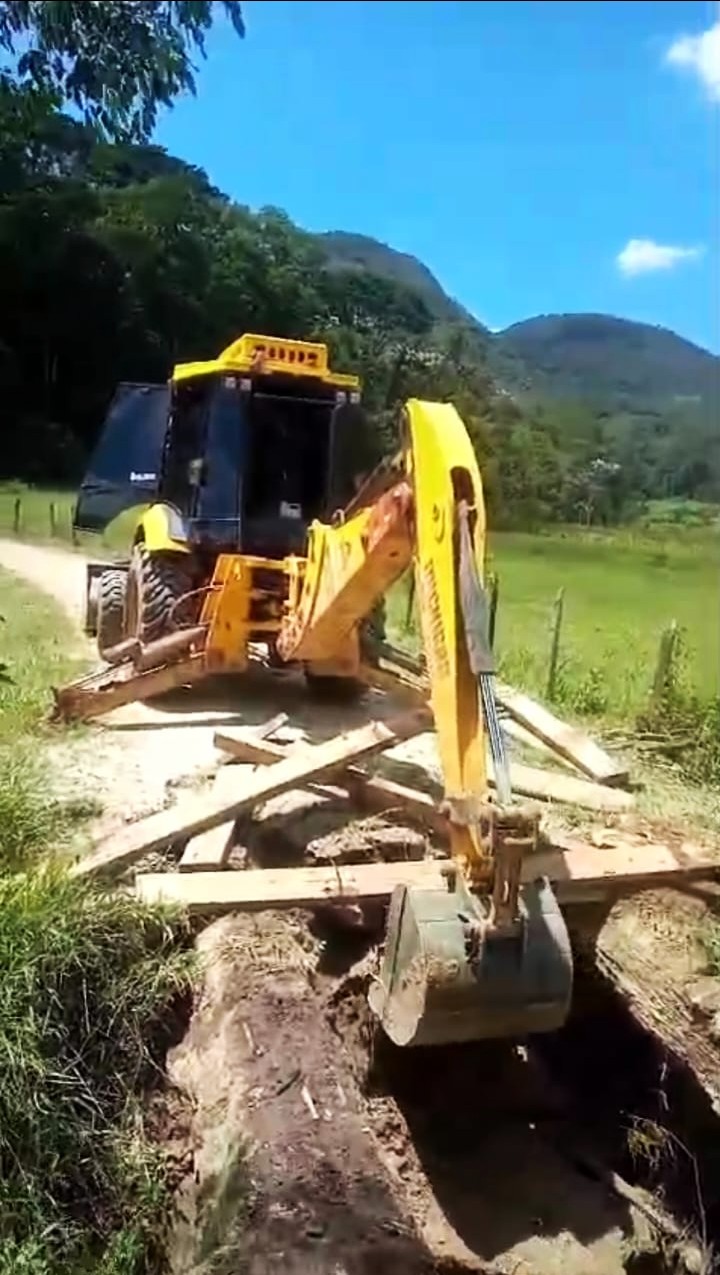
(268, 354)
(348, 569)
(444, 470)
(153, 528)
(344, 576)
(230, 611)
(321, 601)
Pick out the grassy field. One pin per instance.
(622, 588)
(46, 514)
(87, 980)
(620, 591)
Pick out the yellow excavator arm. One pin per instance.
(353, 561)
(486, 957)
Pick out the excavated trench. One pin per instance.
(318, 1147)
(516, 1142)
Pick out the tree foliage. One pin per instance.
(116, 62)
(118, 260)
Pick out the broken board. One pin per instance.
(196, 814)
(569, 741)
(526, 781)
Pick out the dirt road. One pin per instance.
(130, 761)
(347, 1162)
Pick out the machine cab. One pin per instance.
(246, 449)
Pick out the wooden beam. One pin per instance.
(548, 785)
(580, 874)
(203, 852)
(569, 741)
(527, 781)
(366, 790)
(197, 814)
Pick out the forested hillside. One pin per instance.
(117, 260)
(622, 363)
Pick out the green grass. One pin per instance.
(46, 514)
(87, 983)
(37, 640)
(621, 590)
(36, 644)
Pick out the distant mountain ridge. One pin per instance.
(616, 361)
(345, 250)
(610, 361)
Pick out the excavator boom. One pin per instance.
(486, 957)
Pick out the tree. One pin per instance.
(116, 62)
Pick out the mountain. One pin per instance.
(616, 362)
(360, 252)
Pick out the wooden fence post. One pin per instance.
(53, 524)
(555, 642)
(17, 515)
(492, 616)
(664, 666)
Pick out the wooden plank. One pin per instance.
(367, 790)
(578, 874)
(548, 785)
(197, 814)
(523, 736)
(527, 781)
(209, 848)
(569, 741)
(203, 852)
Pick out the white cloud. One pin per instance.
(642, 256)
(701, 55)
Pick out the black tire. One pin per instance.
(110, 610)
(334, 690)
(156, 583)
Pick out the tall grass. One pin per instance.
(88, 981)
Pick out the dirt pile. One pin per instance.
(285, 1175)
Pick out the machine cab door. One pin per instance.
(351, 457)
(125, 467)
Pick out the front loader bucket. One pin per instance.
(436, 987)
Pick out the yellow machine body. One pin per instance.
(487, 956)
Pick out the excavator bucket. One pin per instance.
(447, 978)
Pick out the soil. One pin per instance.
(305, 1142)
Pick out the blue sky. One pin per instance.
(538, 157)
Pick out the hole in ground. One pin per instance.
(514, 1143)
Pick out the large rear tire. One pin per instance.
(156, 584)
(334, 690)
(110, 611)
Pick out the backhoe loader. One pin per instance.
(259, 528)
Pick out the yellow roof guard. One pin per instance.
(253, 352)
